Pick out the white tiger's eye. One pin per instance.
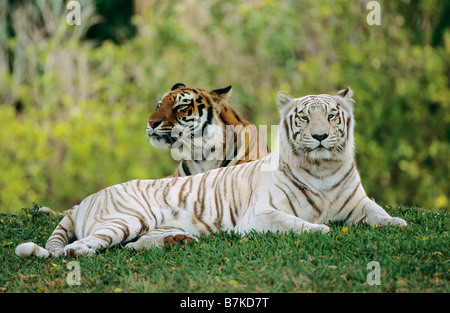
(304, 118)
(331, 116)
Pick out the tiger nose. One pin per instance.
(154, 124)
(319, 137)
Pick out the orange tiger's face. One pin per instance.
(184, 113)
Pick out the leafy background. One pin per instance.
(74, 100)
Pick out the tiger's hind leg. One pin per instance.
(109, 234)
(88, 246)
(162, 236)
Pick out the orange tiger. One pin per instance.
(206, 131)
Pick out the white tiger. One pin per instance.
(313, 181)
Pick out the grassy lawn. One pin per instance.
(414, 259)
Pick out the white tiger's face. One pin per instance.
(318, 126)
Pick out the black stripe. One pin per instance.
(202, 196)
(124, 228)
(271, 202)
(208, 101)
(234, 192)
(58, 237)
(208, 119)
(303, 188)
(363, 215)
(185, 168)
(343, 178)
(237, 144)
(236, 115)
(218, 221)
(348, 126)
(353, 210)
(200, 108)
(189, 192)
(180, 192)
(228, 157)
(287, 131)
(149, 209)
(223, 119)
(198, 218)
(302, 185)
(166, 191)
(289, 199)
(104, 237)
(187, 120)
(349, 198)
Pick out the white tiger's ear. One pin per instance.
(283, 99)
(347, 94)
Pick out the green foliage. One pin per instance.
(73, 117)
(413, 259)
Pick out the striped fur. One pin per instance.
(299, 187)
(205, 129)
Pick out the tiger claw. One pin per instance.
(177, 240)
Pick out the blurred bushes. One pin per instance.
(72, 117)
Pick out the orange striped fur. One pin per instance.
(206, 116)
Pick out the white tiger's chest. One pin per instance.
(317, 199)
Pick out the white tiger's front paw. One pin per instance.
(320, 228)
(315, 228)
(146, 243)
(133, 245)
(77, 249)
(396, 221)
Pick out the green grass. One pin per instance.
(413, 259)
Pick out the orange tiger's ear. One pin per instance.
(223, 92)
(347, 94)
(178, 85)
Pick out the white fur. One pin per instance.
(30, 248)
